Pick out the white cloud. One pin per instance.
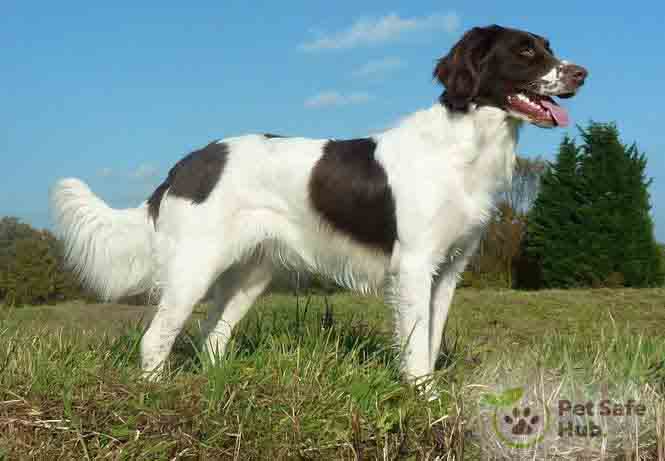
(334, 98)
(378, 67)
(380, 30)
(145, 171)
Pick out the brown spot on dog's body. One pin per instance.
(192, 178)
(273, 136)
(350, 190)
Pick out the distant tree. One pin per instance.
(591, 223)
(503, 242)
(662, 254)
(525, 185)
(31, 266)
(555, 218)
(11, 230)
(619, 230)
(500, 247)
(31, 278)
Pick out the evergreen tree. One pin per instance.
(591, 223)
(555, 218)
(618, 228)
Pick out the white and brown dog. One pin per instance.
(406, 206)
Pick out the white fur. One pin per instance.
(443, 168)
(552, 83)
(110, 250)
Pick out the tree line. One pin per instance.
(582, 220)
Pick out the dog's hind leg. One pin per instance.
(235, 292)
(186, 279)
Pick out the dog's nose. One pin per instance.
(577, 74)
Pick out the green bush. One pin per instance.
(615, 280)
(31, 267)
(483, 280)
(32, 277)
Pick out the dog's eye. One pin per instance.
(528, 52)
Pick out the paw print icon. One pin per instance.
(516, 423)
(522, 422)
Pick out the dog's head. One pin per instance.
(513, 70)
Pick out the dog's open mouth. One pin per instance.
(538, 109)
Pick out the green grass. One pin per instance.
(296, 385)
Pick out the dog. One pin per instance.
(404, 208)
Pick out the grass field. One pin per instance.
(299, 384)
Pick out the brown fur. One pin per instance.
(350, 190)
(192, 178)
(486, 65)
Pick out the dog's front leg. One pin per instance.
(412, 290)
(443, 288)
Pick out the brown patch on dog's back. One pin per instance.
(350, 190)
(193, 178)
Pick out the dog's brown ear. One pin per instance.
(461, 70)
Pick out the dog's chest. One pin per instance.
(461, 220)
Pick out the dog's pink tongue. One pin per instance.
(558, 113)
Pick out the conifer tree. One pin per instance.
(618, 228)
(554, 218)
(591, 224)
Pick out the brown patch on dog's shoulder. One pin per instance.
(192, 178)
(349, 189)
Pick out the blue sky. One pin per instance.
(116, 94)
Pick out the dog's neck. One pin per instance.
(482, 141)
(492, 160)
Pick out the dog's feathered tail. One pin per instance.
(110, 250)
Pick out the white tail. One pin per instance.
(110, 250)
